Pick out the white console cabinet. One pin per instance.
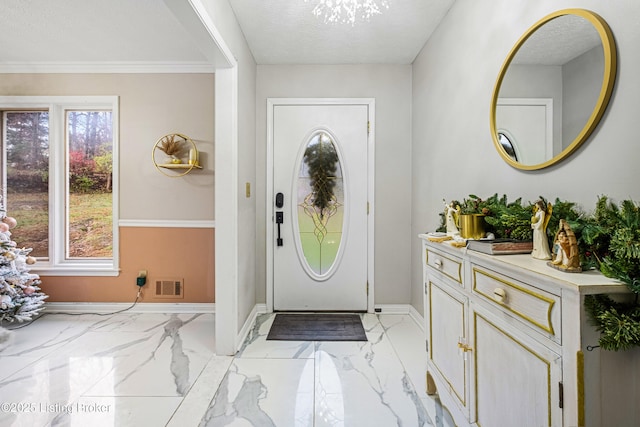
(509, 344)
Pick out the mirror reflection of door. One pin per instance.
(529, 121)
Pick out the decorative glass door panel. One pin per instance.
(320, 205)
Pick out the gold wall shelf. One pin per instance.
(177, 162)
(178, 166)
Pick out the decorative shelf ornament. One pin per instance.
(175, 146)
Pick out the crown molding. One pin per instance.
(105, 67)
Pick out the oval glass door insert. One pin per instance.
(320, 200)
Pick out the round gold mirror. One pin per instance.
(553, 89)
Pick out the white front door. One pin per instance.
(319, 207)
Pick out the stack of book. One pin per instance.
(501, 246)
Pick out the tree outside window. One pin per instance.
(58, 180)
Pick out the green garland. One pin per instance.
(618, 323)
(322, 160)
(608, 240)
(503, 218)
(613, 237)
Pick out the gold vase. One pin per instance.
(472, 226)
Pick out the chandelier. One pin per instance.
(347, 11)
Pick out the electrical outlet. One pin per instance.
(141, 280)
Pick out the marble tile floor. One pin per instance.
(133, 369)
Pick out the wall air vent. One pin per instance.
(169, 288)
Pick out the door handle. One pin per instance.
(279, 220)
(279, 215)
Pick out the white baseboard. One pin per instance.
(141, 307)
(261, 308)
(392, 308)
(248, 324)
(401, 309)
(417, 317)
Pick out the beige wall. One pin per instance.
(151, 105)
(453, 80)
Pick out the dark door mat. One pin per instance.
(317, 327)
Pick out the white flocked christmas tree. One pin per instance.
(20, 294)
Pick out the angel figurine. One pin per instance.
(539, 222)
(451, 215)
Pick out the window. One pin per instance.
(59, 180)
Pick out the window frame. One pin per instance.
(58, 264)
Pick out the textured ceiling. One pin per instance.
(287, 32)
(146, 31)
(558, 42)
(277, 31)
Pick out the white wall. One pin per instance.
(452, 150)
(225, 22)
(390, 85)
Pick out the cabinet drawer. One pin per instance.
(533, 306)
(448, 265)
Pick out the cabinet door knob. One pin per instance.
(500, 294)
(438, 263)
